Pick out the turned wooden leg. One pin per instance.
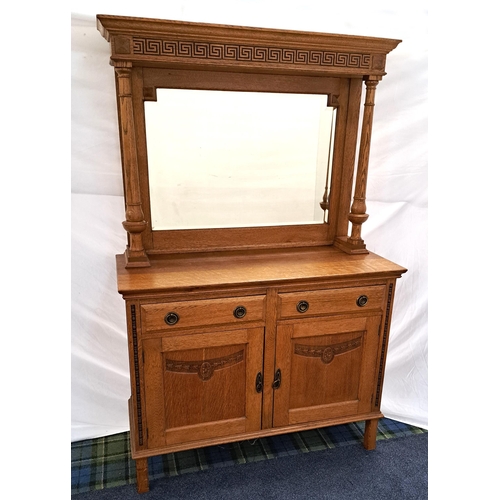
(370, 439)
(142, 475)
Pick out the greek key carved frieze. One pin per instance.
(236, 52)
(328, 352)
(204, 368)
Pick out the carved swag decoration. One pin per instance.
(204, 368)
(327, 353)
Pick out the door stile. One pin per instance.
(369, 364)
(254, 367)
(269, 346)
(154, 409)
(283, 363)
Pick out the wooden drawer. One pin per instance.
(199, 313)
(339, 300)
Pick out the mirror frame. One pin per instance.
(149, 53)
(219, 159)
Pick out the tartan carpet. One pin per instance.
(106, 462)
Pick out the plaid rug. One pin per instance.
(106, 462)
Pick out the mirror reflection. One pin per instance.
(221, 159)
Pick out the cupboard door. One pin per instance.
(328, 369)
(202, 386)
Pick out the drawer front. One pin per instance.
(340, 300)
(198, 313)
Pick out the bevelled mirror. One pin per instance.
(227, 159)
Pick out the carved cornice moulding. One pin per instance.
(154, 42)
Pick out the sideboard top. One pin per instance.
(145, 41)
(185, 272)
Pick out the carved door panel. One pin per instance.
(328, 368)
(202, 386)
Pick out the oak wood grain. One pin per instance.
(194, 379)
(128, 35)
(152, 53)
(250, 268)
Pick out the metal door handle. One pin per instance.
(277, 379)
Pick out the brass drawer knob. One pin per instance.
(362, 300)
(302, 306)
(171, 318)
(239, 312)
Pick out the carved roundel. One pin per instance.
(327, 355)
(206, 370)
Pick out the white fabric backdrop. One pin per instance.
(396, 197)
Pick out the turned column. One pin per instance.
(357, 216)
(134, 224)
